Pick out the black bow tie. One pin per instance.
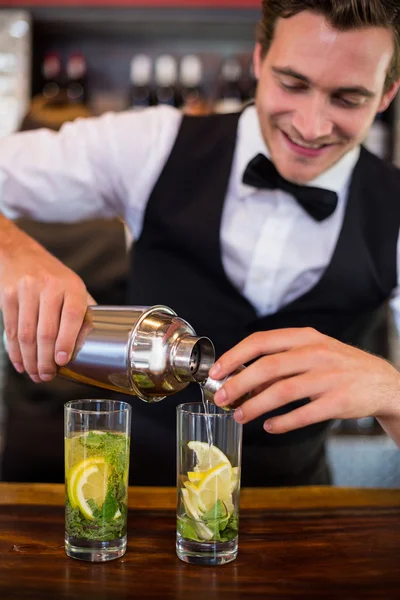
(261, 173)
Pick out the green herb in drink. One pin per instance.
(96, 485)
(207, 510)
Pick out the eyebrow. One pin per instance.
(358, 89)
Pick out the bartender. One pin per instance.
(268, 219)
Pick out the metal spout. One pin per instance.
(211, 387)
(192, 358)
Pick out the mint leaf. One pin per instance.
(230, 530)
(92, 440)
(187, 529)
(229, 534)
(94, 508)
(114, 447)
(99, 529)
(214, 527)
(233, 522)
(218, 511)
(223, 523)
(110, 507)
(223, 529)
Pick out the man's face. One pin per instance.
(319, 90)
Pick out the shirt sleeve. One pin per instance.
(395, 297)
(98, 167)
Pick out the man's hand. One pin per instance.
(43, 304)
(342, 382)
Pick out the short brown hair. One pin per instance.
(343, 15)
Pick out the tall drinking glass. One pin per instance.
(209, 447)
(97, 436)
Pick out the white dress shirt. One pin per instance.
(273, 251)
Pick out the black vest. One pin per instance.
(177, 262)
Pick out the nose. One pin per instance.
(311, 120)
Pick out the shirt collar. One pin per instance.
(250, 143)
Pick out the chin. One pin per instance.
(299, 173)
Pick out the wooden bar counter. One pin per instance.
(306, 543)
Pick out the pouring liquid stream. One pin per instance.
(206, 407)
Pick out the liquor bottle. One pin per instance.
(191, 82)
(52, 75)
(76, 78)
(230, 97)
(140, 78)
(166, 78)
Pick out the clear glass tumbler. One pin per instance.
(209, 448)
(97, 437)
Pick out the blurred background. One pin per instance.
(60, 61)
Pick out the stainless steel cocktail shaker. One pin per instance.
(147, 352)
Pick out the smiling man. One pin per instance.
(320, 85)
(254, 226)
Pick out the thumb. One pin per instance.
(90, 300)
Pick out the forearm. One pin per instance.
(9, 232)
(13, 241)
(392, 427)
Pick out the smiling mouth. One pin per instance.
(305, 145)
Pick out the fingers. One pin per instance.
(263, 342)
(262, 373)
(27, 326)
(40, 324)
(47, 330)
(284, 392)
(43, 304)
(72, 315)
(10, 308)
(323, 409)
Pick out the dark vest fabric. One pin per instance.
(178, 262)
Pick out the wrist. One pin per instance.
(13, 239)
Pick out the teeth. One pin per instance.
(303, 145)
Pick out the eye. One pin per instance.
(347, 103)
(348, 100)
(293, 87)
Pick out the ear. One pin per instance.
(257, 60)
(388, 96)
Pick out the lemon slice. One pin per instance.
(191, 509)
(193, 494)
(75, 473)
(203, 531)
(90, 483)
(216, 485)
(235, 478)
(196, 476)
(207, 456)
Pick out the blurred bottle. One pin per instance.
(140, 95)
(166, 80)
(191, 83)
(230, 97)
(356, 427)
(52, 75)
(76, 78)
